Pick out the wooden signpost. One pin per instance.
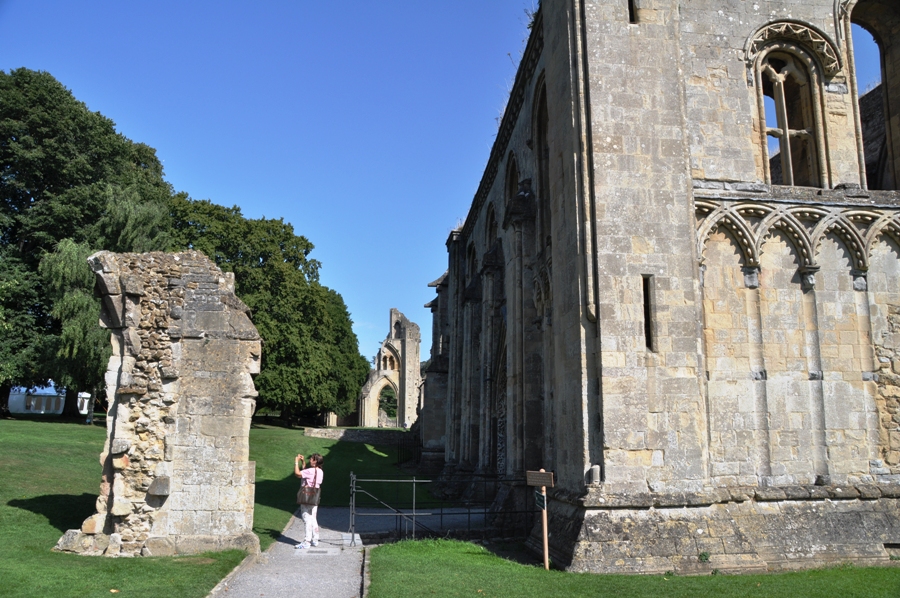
(543, 479)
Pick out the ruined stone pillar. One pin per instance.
(176, 472)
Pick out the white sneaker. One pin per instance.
(314, 543)
(301, 545)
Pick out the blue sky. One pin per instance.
(364, 124)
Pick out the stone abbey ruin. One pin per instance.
(396, 367)
(176, 472)
(699, 336)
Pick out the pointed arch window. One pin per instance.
(792, 90)
(879, 127)
(512, 177)
(791, 62)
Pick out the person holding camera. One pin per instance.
(311, 477)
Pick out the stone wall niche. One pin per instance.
(176, 476)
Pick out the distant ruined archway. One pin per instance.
(396, 365)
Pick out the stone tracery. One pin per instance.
(804, 33)
(857, 228)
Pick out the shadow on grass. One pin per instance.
(341, 459)
(275, 534)
(514, 551)
(63, 511)
(99, 419)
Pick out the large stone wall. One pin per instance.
(637, 303)
(176, 472)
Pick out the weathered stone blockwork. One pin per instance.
(699, 344)
(176, 472)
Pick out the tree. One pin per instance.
(65, 175)
(25, 324)
(387, 401)
(70, 185)
(80, 351)
(310, 359)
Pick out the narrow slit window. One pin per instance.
(648, 312)
(632, 12)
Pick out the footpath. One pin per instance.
(333, 569)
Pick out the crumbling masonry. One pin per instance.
(396, 366)
(176, 476)
(687, 309)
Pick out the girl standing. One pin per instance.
(311, 476)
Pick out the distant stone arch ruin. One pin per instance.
(397, 366)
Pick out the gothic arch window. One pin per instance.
(879, 128)
(542, 149)
(789, 85)
(490, 229)
(790, 62)
(471, 264)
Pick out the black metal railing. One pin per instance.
(417, 512)
(409, 448)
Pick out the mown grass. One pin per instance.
(49, 480)
(274, 448)
(450, 568)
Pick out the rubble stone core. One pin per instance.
(176, 475)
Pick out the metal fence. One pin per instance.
(407, 508)
(409, 448)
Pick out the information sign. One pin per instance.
(539, 478)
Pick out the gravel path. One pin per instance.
(331, 569)
(334, 568)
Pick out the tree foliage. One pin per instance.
(310, 359)
(70, 185)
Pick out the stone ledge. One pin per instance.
(384, 436)
(735, 191)
(595, 498)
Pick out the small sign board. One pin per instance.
(540, 500)
(539, 478)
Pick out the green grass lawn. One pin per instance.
(450, 568)
(49, 480)
(274, 449)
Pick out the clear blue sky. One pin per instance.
(366, 125)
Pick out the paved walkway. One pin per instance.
(333, 569)
(336, 568)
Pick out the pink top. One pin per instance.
(311, 476)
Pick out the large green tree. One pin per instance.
(310, 359)
(69, 185)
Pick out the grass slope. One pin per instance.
(449, 568)
(49, 480)
(274, 449)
